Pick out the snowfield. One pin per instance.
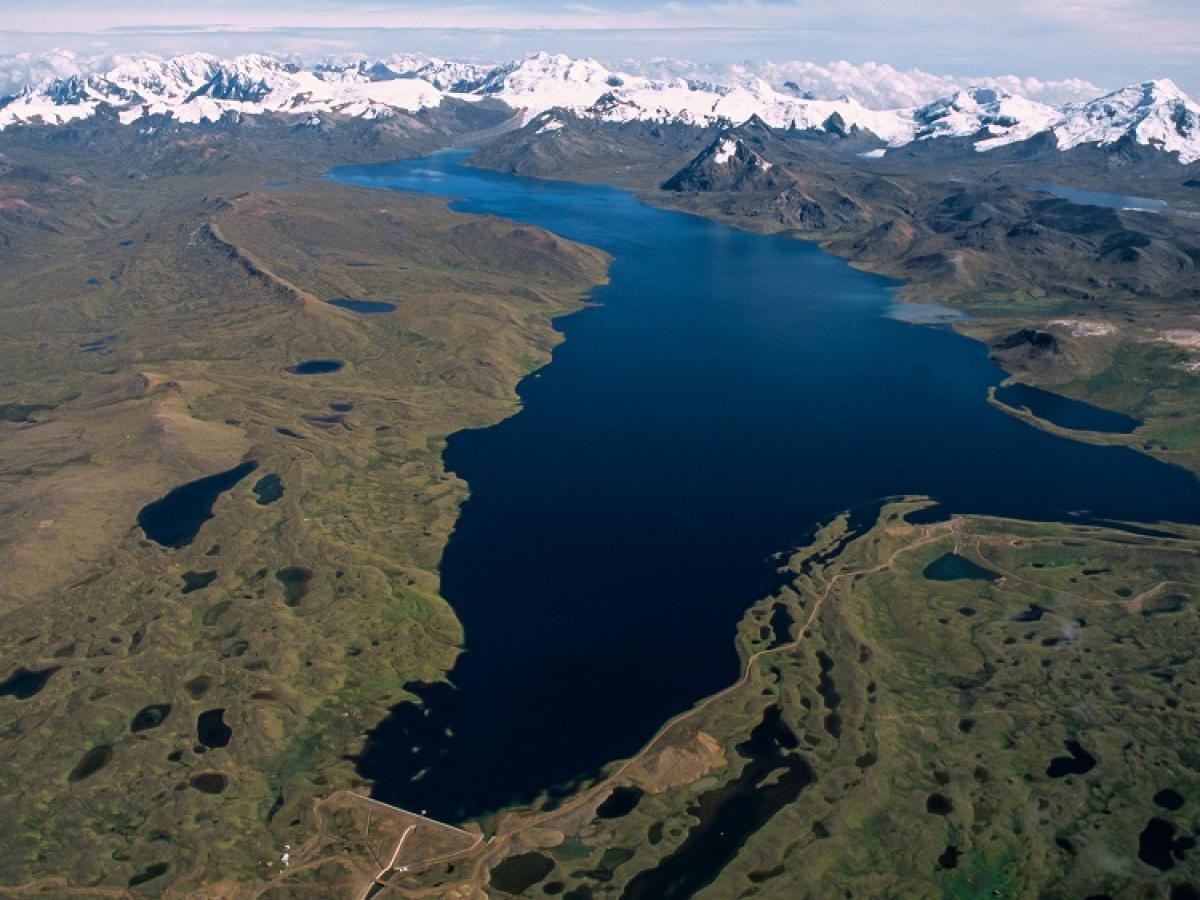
(203, 88)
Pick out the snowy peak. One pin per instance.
(199, 87)
(732, 151)
(1155, 113)
(728, 163)
(996, 117)
(544, 81)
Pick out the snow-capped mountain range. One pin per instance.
(202, 88)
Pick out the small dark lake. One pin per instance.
(1102, 198)
(24, 683)
(727, 392)
(268, 489)
(211, 730)
(316, 367)
(175, 519)
(1065, 412)
(952, 567)
(367, 307)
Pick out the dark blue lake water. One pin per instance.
(729, 392)
(1065, 412)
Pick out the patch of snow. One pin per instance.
(1181, 337)
(726, 150)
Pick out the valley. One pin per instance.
(431, 479)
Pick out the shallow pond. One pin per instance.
(366, 307)
(316, 367)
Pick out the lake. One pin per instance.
(1102, 198)
(727, 393)
(175, 519)
(1065, 412)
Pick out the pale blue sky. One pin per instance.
(1110, 42)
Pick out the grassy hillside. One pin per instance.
(171, 714)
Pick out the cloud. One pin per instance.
(1054, 40)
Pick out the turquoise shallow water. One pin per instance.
(729, 392)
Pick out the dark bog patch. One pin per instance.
(316, 367)
(952, 567)
(1078, 763)
(829, 695)
(604, 871)
(24, 683)
(213, 614)
(209, 782)
(150, 717)
(1158, 846)
(268, 489)
(366, 307)
(1028, 337)
(519, 873)
(730, 814)
(91, 763)
(329, 423)
(175, 519)
(198, 686)
(1169, 799)
(621, 802)
(287, 432)
(341, 407)
(197, 581)
(149, 874)
(1160, 605)
(1033, 614)
(867, 760)
(758, 876)
(21, 412)
(211, 730)
(295, 580)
